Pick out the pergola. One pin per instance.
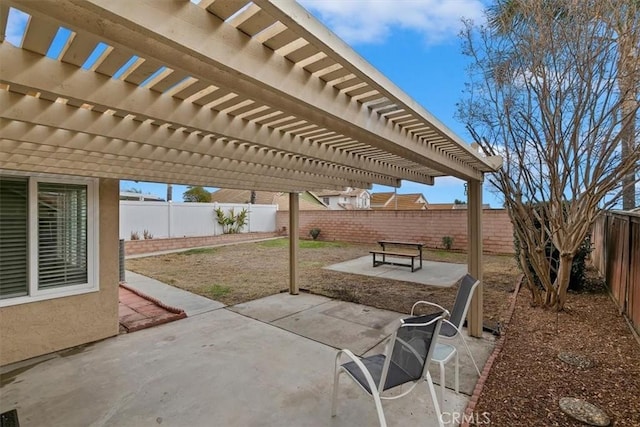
(226, 93)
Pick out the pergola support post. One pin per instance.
(474, 219)
(294, 234)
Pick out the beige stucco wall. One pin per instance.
(37, 328)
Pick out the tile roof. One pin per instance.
(226, 195)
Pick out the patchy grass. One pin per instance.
(197, 251)
(217, 291)
(303, 244)
(254, 270)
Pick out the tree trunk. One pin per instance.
(628, 85)
(562, 281)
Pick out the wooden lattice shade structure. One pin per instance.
(225, 93)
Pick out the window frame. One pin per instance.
(93, 283)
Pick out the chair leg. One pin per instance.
(378, 403)
(442, 386)
(334, 398)
(457, 384)
(434, 399)
(466, 346)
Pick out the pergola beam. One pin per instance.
(222, 174)
(474, 218)
(147, 176)
(181, 159)
(172, 33)
(77, 162)
(294, 236)
(29, 70)
(133, 133)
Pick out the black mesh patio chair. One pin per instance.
(405, 360)
(451, 329)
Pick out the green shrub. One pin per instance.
(447, 242)
(314, 233)
(231, 223)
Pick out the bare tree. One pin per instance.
(544, 96)
(623, 18)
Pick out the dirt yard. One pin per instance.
(243, 272)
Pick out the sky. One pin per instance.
(416, 46)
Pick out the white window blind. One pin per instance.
(62, 235)
(14, 220)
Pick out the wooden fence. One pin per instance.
(616, 254)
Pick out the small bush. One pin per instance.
(447, 242)
(314, 233)
(135, 235)
(231, 223)
(147, 235)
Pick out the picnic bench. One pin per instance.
(396, 249)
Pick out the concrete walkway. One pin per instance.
(191, 303)
(443, 274)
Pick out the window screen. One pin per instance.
(14, 221)
(62, 235)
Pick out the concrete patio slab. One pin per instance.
(191, 303)
(330, 324)
(217, 368)
(359, 328)
(277, 306)
(443, 274)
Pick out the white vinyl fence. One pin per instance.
(167, 219)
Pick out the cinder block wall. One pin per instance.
(134, 247)
(369, 226)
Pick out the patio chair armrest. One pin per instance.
(355, 359)
(446, 312)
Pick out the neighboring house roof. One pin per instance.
(392, 201)
(380, 199)
(132, 195)
(349, 192)
(227, 195)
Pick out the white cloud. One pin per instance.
(16, 24)
(371, 21)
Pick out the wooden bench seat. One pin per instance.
(412, 255)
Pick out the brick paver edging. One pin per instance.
(156, 301)
(471, 406)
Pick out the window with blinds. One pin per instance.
(48, 237)
(14, 223)
(62, 235)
